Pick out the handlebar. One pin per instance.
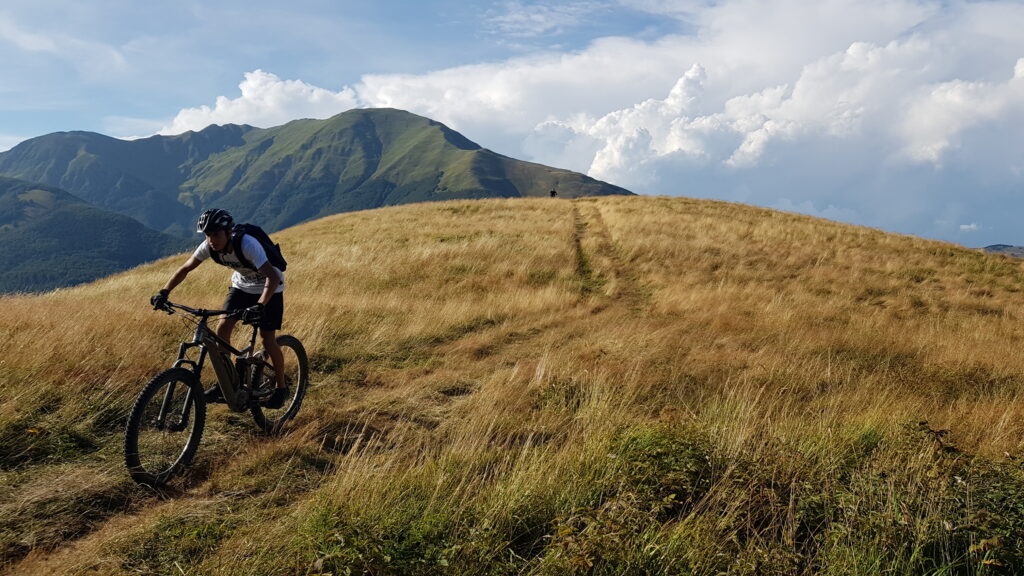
(200, 312)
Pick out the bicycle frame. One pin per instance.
(231, 380)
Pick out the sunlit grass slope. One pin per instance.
(614, 385)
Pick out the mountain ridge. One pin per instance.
(1007, 249)
(280, 176)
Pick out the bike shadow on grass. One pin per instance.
(237, 432)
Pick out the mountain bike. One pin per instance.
(166, 422)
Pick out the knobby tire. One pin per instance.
(273, 421)
(141, 417)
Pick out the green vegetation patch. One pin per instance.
(670, 467)
(909, 504)
(659, 473)
(922, 506)
(177, 543)
(343, 542)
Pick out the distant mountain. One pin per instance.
(49, 239)
(1015, 251)
(138, 178)
(281, 176)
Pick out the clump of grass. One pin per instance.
(924, 506)
(421, 544)
(176, 544)
(656, 474)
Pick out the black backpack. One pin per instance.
(273, 250)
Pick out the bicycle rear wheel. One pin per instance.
(263, 381)
(164, 427)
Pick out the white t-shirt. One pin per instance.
(245, 279)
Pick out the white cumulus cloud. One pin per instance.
(940, 113)
(265, 101)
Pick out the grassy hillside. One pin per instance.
(52, 239)
(288, 174)
(605, 385)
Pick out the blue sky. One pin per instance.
(906, 115)
(112, 66)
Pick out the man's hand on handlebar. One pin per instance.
(159, 300)
(252, 315)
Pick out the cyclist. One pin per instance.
(257, 287)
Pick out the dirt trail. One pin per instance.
(600, 263)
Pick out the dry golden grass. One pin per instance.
(612, 385)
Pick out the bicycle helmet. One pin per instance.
(215, 219)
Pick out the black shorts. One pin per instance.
(273, 312)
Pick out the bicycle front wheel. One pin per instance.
(164, 427)
(296, 376)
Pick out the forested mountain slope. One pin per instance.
(50, 239)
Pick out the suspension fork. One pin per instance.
(186, 409)
(166, 405)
